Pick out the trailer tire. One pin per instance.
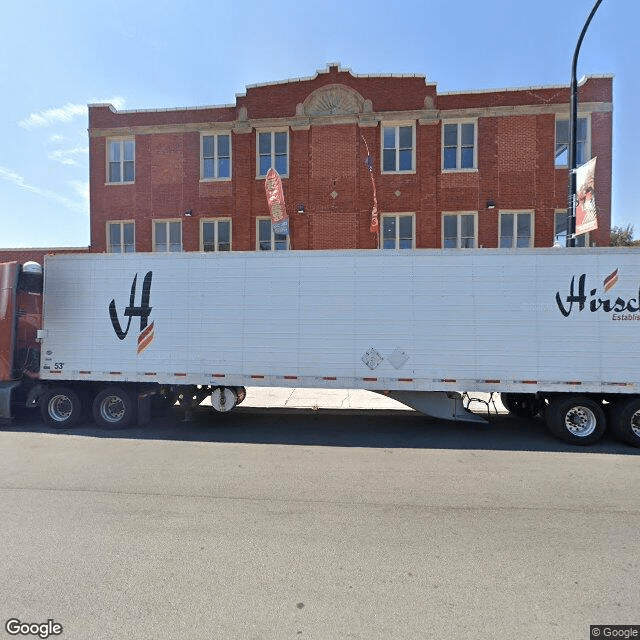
(523, 405)
(61, 407)
(625, 421)
(241, 394)
(224, 399)
(114, 408)
(576, 419)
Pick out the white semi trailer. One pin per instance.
(550, 330)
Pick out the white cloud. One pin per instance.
(117, 102)
(66, 156)
(12, 177)
(49, 116)
(66, 113)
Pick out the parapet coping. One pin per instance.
(337, 65)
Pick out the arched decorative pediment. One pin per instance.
(332, 100)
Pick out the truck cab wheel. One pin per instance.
(576, 419)
(114, 408)
(625, 421)
(61, 407)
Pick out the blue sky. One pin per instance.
(56, 56)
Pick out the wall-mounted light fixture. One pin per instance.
(301, 208)
(491, 204)
(188, 213)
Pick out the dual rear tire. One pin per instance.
(576, 419)
(625, 421)
(64, 407)
(581, 420)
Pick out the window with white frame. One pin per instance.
(516, 230)
(273, 151)
(459, 230)
(560, 231)
(215, 235)
(167, 236)
(267, 240)
(121, 237)
(459, 142)
(398, 231)
(562, 142)
(216, 156)
(121, 160)
(398, 148)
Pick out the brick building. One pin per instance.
(476, 168)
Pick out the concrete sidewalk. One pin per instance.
(296, 398)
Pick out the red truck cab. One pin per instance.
(20, 319)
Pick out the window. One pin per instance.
(216, 157)
(121, 165)
(398, 148)
(459, 146)
(560, 231)
(167, 235)
(269, 241)
(459, 230)
(215, 235)
(273, 151)
(562, 142)
(120, 237)
(397, 232)
(516, 230)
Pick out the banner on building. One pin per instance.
(275, 200)
(586, 211)
(374, 227)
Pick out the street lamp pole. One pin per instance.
(573, 135)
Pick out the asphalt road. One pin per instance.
(294, 523)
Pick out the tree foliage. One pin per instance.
(623, 237)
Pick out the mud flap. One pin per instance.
(5, 400)
(144, 406)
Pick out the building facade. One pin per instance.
(448, 170)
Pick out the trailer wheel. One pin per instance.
(241, 393)
(523, 405)
(576, 419)
(224, 399)
(625, 421)
(61, 407)
(113, 408)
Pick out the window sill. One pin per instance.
(472, 170)
(215, 179)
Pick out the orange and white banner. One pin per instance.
(275, 200)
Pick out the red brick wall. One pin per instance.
(516, 135)
(35, 254)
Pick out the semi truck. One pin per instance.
(107, 335)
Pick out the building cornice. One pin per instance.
(304, 121)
